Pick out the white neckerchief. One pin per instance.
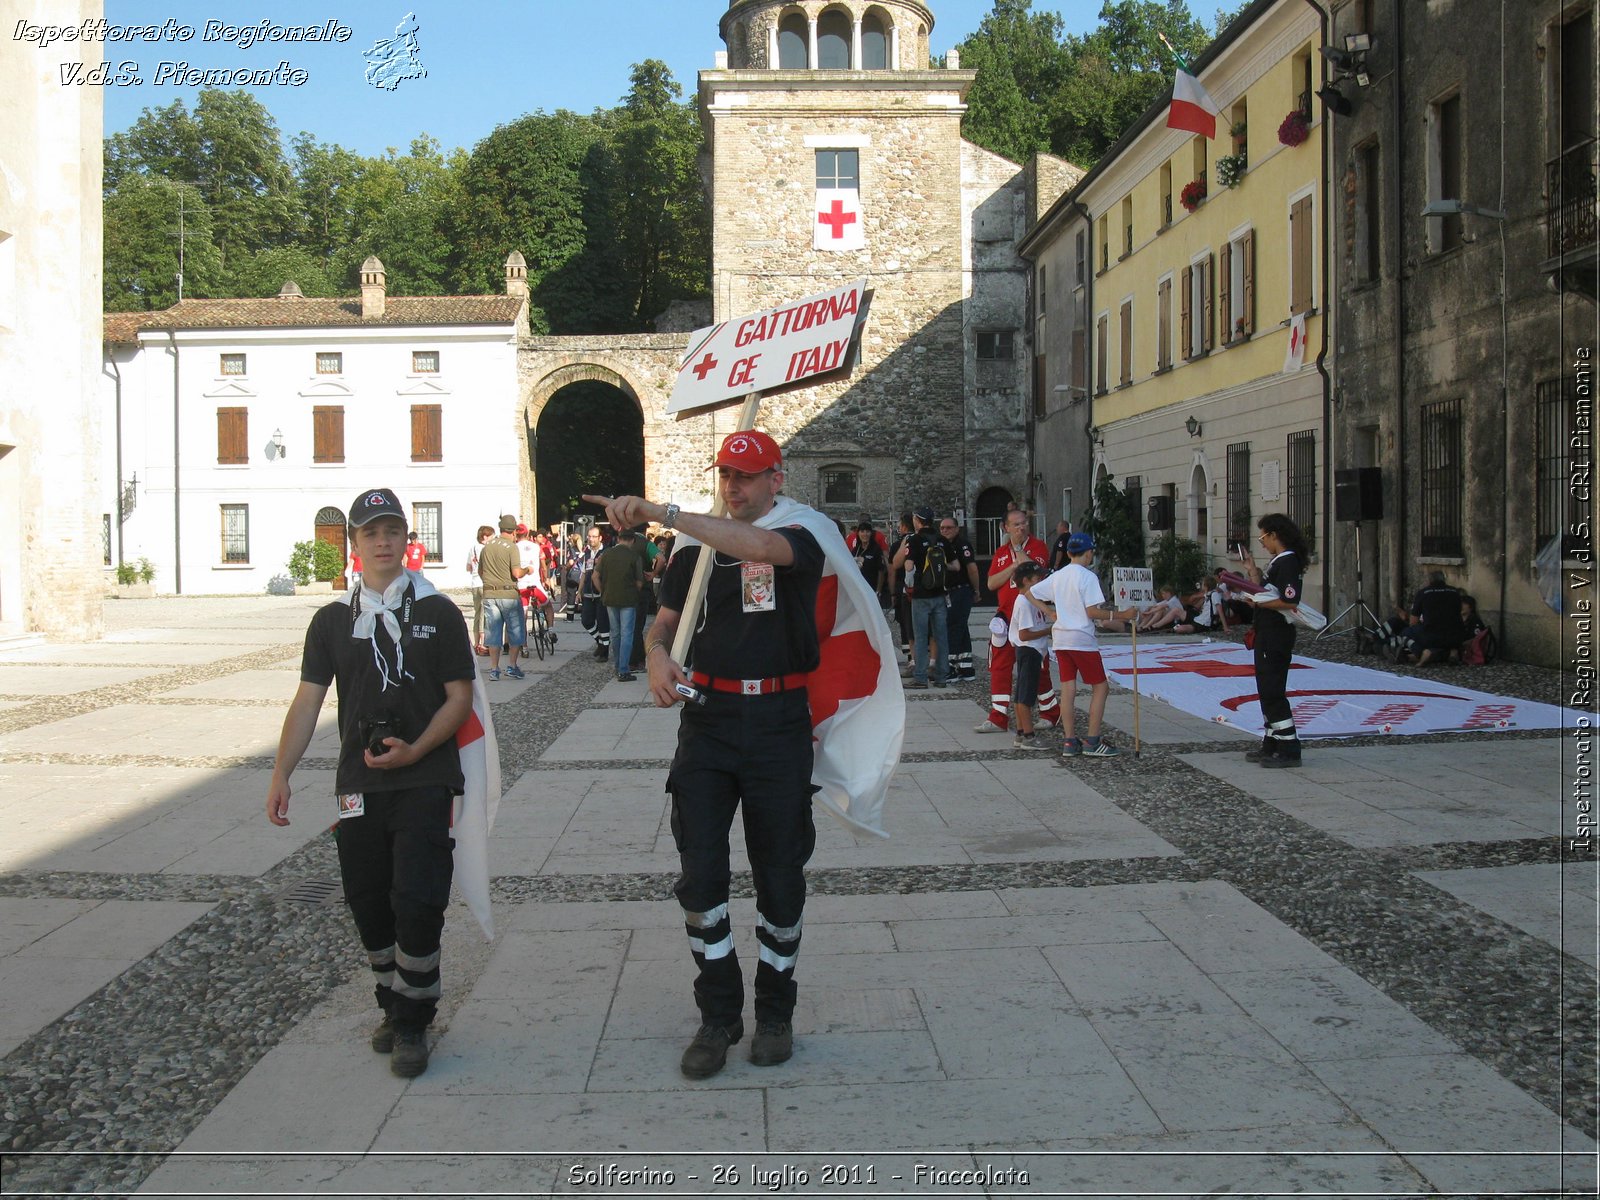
(374, 606)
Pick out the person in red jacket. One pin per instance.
(1019, 546)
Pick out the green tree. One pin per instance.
(229, 150)
(266, 271)
(1119, 539)
(1177, 562)
(1021, 64)
(144, 220)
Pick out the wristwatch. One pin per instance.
(669, 521)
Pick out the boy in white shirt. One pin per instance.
(1079, 603)
(1030, 625)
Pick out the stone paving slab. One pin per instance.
(66, 679)
(1554, 903)
(109, 654)
(140, 731)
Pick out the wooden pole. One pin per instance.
(1134, 629)
(701, 579)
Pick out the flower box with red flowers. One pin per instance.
(1193, 192)
(1296, 128)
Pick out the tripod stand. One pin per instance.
(1357, 606)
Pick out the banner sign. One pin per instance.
(1132, 585)
(1217, 681)
(768, 350)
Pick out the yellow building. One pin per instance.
(1172, 314)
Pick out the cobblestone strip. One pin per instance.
(89, 885)
(58, 708)
(1505, 996)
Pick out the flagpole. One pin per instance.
(701, 579)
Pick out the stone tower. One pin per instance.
(835, 152)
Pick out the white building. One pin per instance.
(236, 428)
(50, 139)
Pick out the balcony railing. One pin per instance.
(1570, 207)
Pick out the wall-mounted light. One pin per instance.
(1193, 426)
(1097, 435)
(1334, 100)
(1351, 62)
(277, 443)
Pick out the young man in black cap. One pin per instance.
(402, 657)
(921, 556)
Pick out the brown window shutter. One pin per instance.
(1250, 281)
(1080, 375)
(1039, 387)
(233, 435)
(327, 428)
(1127, 344)
(425, 430)
(1186, 326)
(1300, 260)
(1226, 288)
(1207, 329)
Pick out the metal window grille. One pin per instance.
(1303, 483)
(838, 169)
(1441, 479)
(840, 485)
(428, 520)
(1239, 492)
(233, 364)
(424, 362)
(1553, 463)
(236, 533)
(1133, 497)
(330, 362)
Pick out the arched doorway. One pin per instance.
(331, 529)
(589, 439)
(1199, 521)
(988, 530)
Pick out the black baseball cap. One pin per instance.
(369, 506)
(925, 513)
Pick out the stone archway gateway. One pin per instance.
(643, 367)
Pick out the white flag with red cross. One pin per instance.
(837, 224)
(1294, 356)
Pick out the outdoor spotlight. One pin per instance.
(1334, 100)
(1340, 60)
(1358, 43)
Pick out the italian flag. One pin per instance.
(1192, 109)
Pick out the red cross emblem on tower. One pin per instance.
(836, 218)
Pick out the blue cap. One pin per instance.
(1079, 542)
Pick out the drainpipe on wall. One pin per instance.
(1327, 322)
(1397, 208)
(117, 371)
(177, 490)
(1088, 346)
(1505, 416)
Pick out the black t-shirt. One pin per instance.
(957, 554)
(918, 544)
(438, 651)
(1283, 573)
(1058, 551)
(1439, 610)
(759, 620)
(869, 557)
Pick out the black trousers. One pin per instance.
(753, 751)
(1274, 651)
(397, 864)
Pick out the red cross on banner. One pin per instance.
(837, 224)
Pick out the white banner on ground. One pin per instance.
(1217, 682)
(768, 350)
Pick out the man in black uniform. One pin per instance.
(961, 587)
(403, 660)
(1436, 627)
(1274, 637)
(747, 741)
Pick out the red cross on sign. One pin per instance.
(704, 366)
(836, 218)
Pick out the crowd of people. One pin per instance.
(403, 660)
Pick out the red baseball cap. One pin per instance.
(521, 529)
(750, 451)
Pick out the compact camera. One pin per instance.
(374, 730)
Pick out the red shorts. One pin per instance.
(1072, 663)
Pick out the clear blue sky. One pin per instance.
(488, 61)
